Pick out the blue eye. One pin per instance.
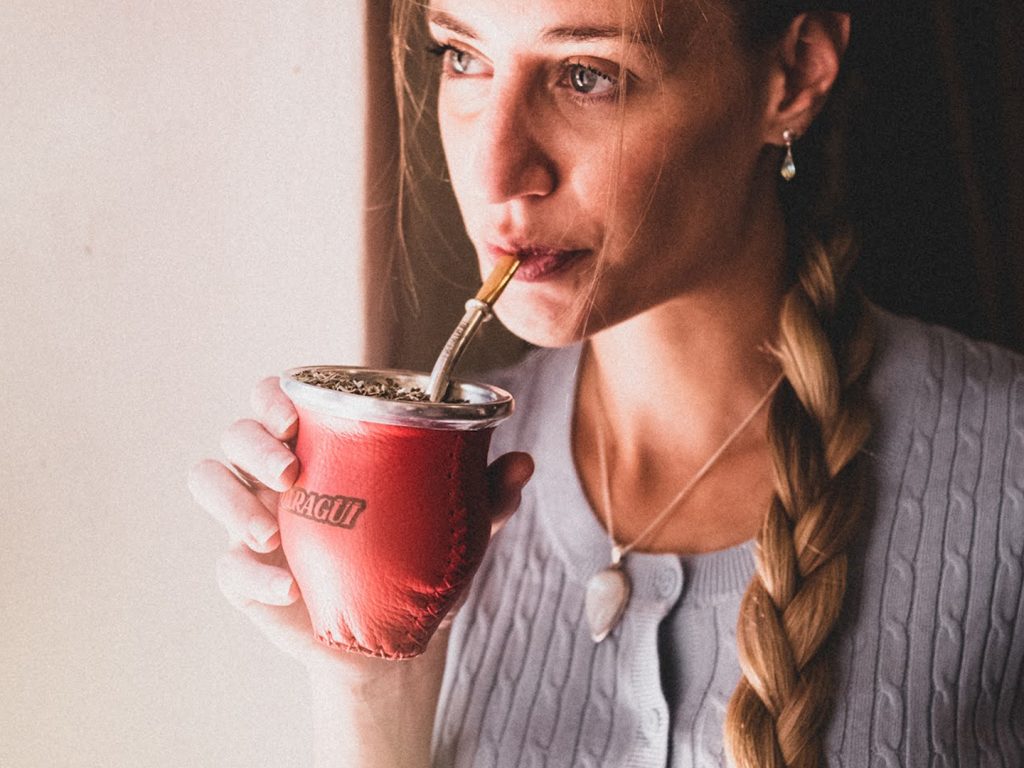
(459, 61)
(456, 61)
(589, 81)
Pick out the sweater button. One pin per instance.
(652, 720)
(667, 582)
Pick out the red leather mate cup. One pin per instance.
(387, 521)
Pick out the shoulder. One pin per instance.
(939, 579)
(907, 346)
(543, 385)
(948, 458)
(930, 381)
(531, 377)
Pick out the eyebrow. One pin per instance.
(449, 22)
(584, 34)
(551, 34)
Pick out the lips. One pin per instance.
(538, 262)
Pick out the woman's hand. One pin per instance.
(368, 711)
(253, 574)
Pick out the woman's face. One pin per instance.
(592, 140)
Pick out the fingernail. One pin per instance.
(281, 419)
(283, 462)
(280, 586)
(262, 528)
(526, 476)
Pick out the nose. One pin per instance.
(512, 155)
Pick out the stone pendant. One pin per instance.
(606, 599)
(788, 165)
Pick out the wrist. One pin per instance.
(375, 712)
(361, 677)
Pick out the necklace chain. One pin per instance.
(620, 550)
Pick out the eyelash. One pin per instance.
(442, 51)
(438, 49)
(586, 98)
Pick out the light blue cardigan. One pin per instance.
(930, 651)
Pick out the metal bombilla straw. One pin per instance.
(478, 311)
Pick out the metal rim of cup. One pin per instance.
(487, 405)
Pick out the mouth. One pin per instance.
(538, 262)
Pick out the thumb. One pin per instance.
(507, 477)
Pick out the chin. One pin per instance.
(542, 329)
(551, 311)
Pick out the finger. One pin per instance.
(287, 627)
(248, 479)
(268, 496)
(508, 475)
(244, 579)
(234, 506)
(259, 455)
(274, 410)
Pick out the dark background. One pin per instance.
(937, 173)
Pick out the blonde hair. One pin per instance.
(819, 423)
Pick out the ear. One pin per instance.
(804, 66)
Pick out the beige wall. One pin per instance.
(180, 214)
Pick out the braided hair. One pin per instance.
(819, 422)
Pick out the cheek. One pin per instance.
(472, 209)
(678, 184)
(629, 193)
(456, 131)
(453, 145)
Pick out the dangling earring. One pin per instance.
(788, 166)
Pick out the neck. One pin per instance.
(664, 390)
(679, 377)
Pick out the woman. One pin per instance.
(710, 381)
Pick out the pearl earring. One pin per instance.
(788, 166)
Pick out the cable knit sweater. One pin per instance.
(929, 650)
